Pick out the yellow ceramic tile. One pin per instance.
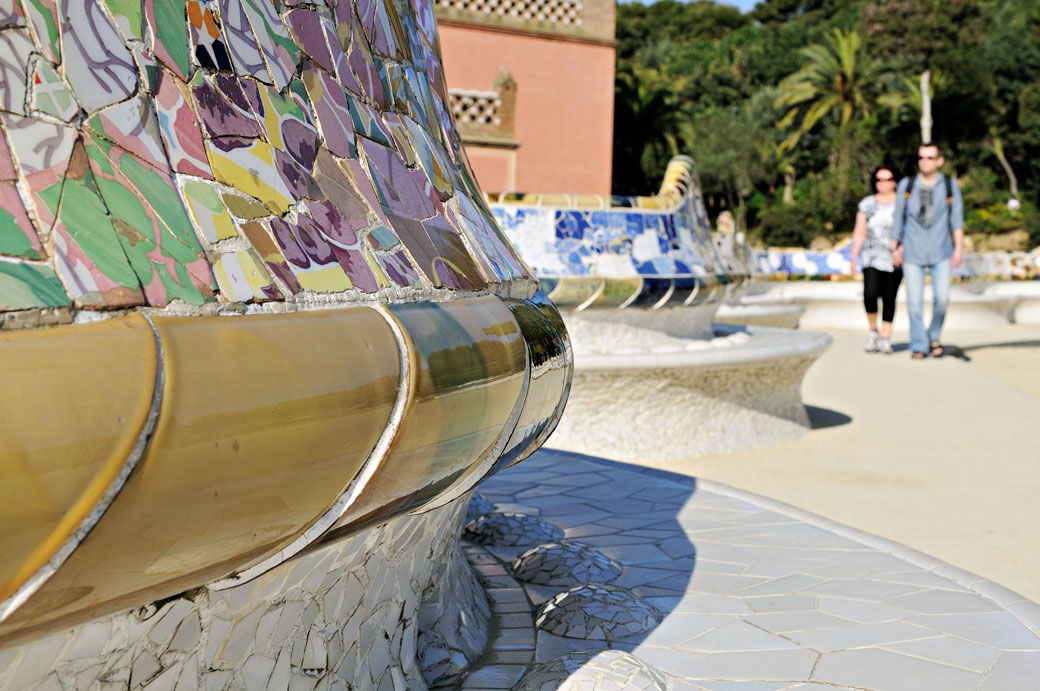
(618, 291)
(327, 279)
(573, 291)
(469, 365)
(212, 221)
(75, 400)
(592, 201)
(252, 171)
(551, 369)
(241, 277)
(265, 421)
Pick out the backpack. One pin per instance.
(949, 199)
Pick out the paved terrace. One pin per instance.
(720, 588)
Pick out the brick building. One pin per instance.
(532, 88)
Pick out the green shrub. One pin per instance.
(786, 226)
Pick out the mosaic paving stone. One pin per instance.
(603, 670)
(133, 126)
(564, 564)
(597, 612)
(168, 29)
(90, 255)
(833, 608)
(152, 226)
(478, 506)
(511, 529)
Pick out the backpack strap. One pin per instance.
(906, 197)
(949, 202)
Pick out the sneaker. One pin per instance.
(871, 344)
(885, 346)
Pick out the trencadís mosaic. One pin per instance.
(154, 152)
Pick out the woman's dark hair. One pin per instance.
(891, 169)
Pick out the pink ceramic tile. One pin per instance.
(179, 128)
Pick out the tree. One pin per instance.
(647, 121)
(937, 35)
(838, 78)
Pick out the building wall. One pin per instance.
(564, 105)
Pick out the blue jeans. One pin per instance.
(914, 276)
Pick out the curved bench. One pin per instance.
(646, 350)
(639, 395)
(839, 304)
(261, 340)
(1026, 297)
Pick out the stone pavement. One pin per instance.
(615, 576)
(941, 455)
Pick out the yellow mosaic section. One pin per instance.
(75, 400)
(265, 421)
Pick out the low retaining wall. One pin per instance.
(1026, 296)
(640, 394)
(839, 304)
(743, 313)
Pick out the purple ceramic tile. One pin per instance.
(223, 117)
(330, 106)
(306, 28)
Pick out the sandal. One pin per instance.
(917, 355)
(937, 349)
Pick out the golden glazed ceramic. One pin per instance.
(551, 362)
(73, 403)
(469, 369)
(619, 291)
(265, 420)
(573, 292)
(318, 335)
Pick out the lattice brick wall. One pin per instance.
(563, 12)
(476, 108)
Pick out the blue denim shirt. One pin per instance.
(931, 242)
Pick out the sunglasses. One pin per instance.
(885, 179)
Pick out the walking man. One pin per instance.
(928, 233)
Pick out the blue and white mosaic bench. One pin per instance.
(638, 281)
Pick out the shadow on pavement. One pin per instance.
(822, 418)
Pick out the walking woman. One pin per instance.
(872, 246)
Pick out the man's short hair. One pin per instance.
(938, 151)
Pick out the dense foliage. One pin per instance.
(787, 109)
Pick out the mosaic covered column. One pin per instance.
(253, 312)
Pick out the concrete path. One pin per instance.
(664, 581)
(940, 455)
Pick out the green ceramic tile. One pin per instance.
(127, 14)
(43, 13)
(24, 286)
(85, 218)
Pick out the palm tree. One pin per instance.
(838, 77)
(647, 124)
(912, 98)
